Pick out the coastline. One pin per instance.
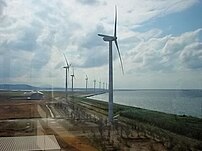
(179, 102)
(187, 128)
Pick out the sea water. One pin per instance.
(181, 102)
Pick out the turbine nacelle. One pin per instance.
(72, 75)
(107, 38)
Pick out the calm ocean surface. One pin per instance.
(188, 102)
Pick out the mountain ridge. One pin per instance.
(17, 87)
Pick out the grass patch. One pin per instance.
(183, 125)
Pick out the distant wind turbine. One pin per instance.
(94, 84)
(73, 77)
(100, 85)
(86, 82)
(66, 69)
(110, 39)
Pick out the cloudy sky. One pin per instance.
(160, 42)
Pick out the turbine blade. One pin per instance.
(116, 43)
(106, 36)
(115, 23)
(102, 35)
(65, 59)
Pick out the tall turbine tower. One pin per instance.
(86, 82)
(67, 69)
(110, 39)
(72, 79)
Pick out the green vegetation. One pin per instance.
(176, 132)
(183, 125)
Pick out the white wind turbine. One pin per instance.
(73, 79)
(110, 39)
(100, 85)
(94, 84)
(86, 82)
(66, 69)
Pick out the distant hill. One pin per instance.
(17, 87)
(43, 88)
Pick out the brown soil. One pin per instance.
(30, 118)
(18, 110)
(15, 114)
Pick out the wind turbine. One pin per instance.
(110, 39)
(72, 79)
(86, 82)
(100, 85)
(94, 84)
(66, 69)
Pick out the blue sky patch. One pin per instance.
(176, 23)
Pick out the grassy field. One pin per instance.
(185, 125)
(185, 131)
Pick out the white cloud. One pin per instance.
(32, 31)
(88, 2)
(2, 5)
(191, 56)
(166, 53)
